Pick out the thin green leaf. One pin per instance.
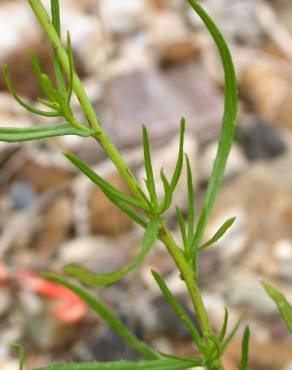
(222, 230)
(41, 80)
(245, 350)
(56, 21)
(105, 313)
(284, 307)
(55, 10)
(180, 158)
(182, 226)
(12, 135)
(18, 347)
(104, 185)
(150, 182)
(71, 68)
(89, 278)
(223, 330)
(20, 101)
(49, 103)
(191, 211)
(228, 122)
(164, 364)
(194, 247)
(232, 334)
(179, 310)
(167, 193)
(50, 91)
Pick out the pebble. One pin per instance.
(269, 90)
(261, 141)
(122, 17)
(245, 290)
(81, 250)
(104, 217)
(23, 194)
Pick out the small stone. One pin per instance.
(283, 250)
(159, 4)
(159, 98)
(23, 194)
(178, 52)
(104, 217)
(96, 253)
(122, 17)
(269, 90)
(43, 177)
(245, 290)
(57, 222)
(261, 141)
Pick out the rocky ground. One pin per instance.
(148, 61)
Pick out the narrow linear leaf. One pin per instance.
(105, 313)
(179, 310)
(182, 226)
(20, 101)
(56, 21)
(223, 330)
(102, 184)
(167, 193)
(191, 211)
(194, 247)
(11, 135)
(232, 334)
(245, 350)
(164, 364)
(55, 10)
(89, 278)
(71, 68)
(51, 92)
(18, 347)
(150, 183)
(180, 158)
(222, 230)
(284, 307)
(40, 77)
(228, 122)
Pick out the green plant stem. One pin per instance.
(188, 277)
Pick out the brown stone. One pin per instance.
(42, 177)
(104, 217)
(57, 223)
(159, 4)
(270, 92)
(179, 52)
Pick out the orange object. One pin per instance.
(69, 307)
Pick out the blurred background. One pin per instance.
(151, 62)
